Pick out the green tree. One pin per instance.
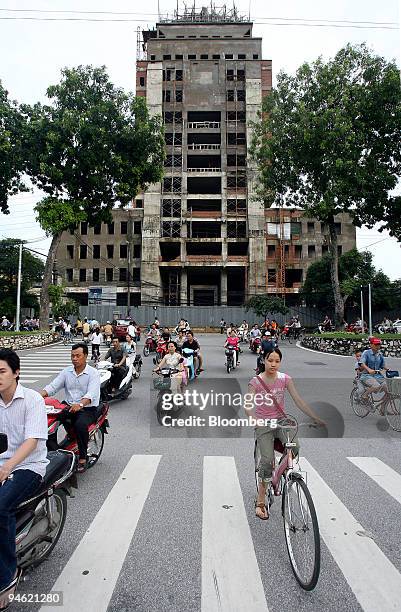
(12, 150)
(93, 148)
(32, 273)
(262, 305)
(329, 142)
(62, 307)
(355, 269)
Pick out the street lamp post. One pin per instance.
(128, 279)
(362, 313)
(17, 317)
(370, 310)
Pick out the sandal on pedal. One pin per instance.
(262, 506)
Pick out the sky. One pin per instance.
(33, 51)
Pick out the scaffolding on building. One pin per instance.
(205, 14)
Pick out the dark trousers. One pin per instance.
(80, 422)
(13, 492)
(95, 350)
(117, 375)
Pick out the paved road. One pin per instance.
(165, 522)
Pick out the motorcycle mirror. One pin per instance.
(3, 443)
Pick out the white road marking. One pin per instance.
(374, 580)
(231, 579)
(382, 474)
(89, 577)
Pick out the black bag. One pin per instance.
(392, 373)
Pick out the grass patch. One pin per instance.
(351, 336)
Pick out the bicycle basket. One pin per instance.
(392, 373)
(162, 384)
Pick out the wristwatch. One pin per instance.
(81, 405)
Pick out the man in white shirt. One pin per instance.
(22, 466)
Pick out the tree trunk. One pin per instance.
(47, 281)
(335, 283)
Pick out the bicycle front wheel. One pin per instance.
(393, 415)
(301, 531)
(360, 409)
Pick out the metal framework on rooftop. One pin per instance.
(205, 14)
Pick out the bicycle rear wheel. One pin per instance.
(301, 531)
(393, 414)
(360, 409)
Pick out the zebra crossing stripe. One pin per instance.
(89, 577)
(387, 478)
(231, 579)
(374, 580)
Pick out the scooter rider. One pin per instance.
(118, 358)
(233, 341)
(81, 385)
(108, 330)
(193, 344)
(22, 466)
(254, 333)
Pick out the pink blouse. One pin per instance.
(264, 408)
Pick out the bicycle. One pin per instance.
(301, 528)
(385, 404)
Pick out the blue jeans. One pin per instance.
(13, 492)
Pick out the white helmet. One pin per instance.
(267, 333)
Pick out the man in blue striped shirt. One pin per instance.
(81, 385)
(22, 466)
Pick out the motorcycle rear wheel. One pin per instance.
(145, 351)
(59, 500)
(95, 447)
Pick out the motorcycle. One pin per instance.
(161, 350)
(97, 430)
(107, 341)
(231, 358)
(255, 344)
(189, 355)
(163, 385)
(137, 366)
(105, 369)
(150, 346)
(243, 335)
(40, 519)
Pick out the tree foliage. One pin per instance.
(32, 273)
(329, 142)
(94, 147)
(355, 270)
(12, 150)
(262, 305)
(62, 307)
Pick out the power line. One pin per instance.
(271, 23)
(142, 14)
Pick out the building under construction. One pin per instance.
(206, 239)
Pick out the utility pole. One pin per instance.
(370, 309)
(362, 313)
(17, 318)
(128, 279)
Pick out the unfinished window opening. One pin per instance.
(240, 75)
(199, 116)
(241, 95)
(174, 161)
(298, 251)
(296, 228)
(237, 180)
(203, 162)
(96, 251)
(237, 249)
(204, 229)
(236, 160)
(178, 95)
(123, 251)
(207, 142)
(82, 275)
(311, 227)
(238, 116)
(203, 248)
(216, 56)
(241, 56)
(171, 229)
(83, 251)
(235, 286)
(230, 95)
(204, 205)
(170, 251)
(179, 57)
(69, 275)
(142, 81)
(191, 56)
(293, 278)
(137, 251)
(172, 185)
(109, 274)
(171, 283)
(171, 208)
(230, 75)
(84, 228)
(271, 250)
(178, 74)
(166, 95)
(236, 229)
(202, 184)
(311, 250)
(173, 138)
(236, 206)
(236, 138)
(167, 57)
(110, 251)
(70, 251)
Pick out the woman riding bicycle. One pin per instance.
(270, 387)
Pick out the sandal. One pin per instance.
(262, 506)
(11, 587)
(81, 468)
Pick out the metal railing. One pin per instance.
(204, 147)
(203, 169)
(196, 125)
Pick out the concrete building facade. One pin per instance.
(205, 237)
